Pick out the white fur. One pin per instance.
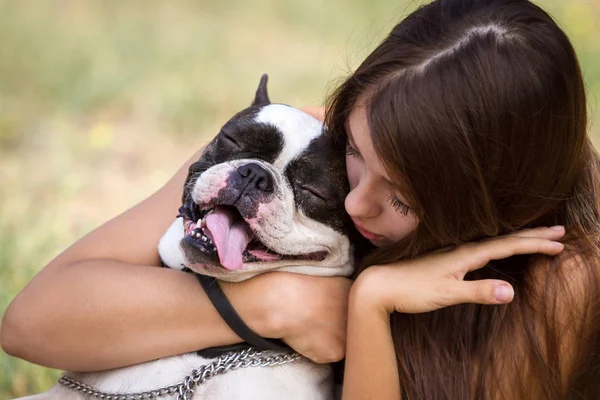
(169, 248)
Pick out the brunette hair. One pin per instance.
(477, 110)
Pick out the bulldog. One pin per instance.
(266, 194)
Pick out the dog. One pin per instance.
(266, 194)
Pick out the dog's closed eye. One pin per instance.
(314, 192)
(230, 140)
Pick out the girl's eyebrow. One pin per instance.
(350, 139)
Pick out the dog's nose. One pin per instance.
(258, 176)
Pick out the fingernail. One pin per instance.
(503, 293)
(557, 228)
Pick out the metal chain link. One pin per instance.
(227, 362)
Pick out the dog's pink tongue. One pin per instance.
(230, 235)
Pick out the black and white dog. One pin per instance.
(266, 194)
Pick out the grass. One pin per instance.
(100, 102)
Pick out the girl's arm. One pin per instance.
(371, 371)
(421, 285)
(101, 305)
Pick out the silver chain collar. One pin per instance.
(227, 362)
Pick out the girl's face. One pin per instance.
(377, 208)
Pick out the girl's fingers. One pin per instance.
(509, 246)
(552, 233)
(487, 291)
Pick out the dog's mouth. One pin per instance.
(223, 233)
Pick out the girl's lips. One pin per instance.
(367, 234)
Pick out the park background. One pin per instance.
(102, 101)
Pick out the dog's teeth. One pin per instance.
(199, 223)
(204, 238)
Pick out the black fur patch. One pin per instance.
(318, 178)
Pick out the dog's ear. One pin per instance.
(262, 97)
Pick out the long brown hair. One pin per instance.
(478, 107)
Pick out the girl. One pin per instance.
(469, 121)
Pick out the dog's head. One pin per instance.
(267, 193)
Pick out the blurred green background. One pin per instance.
(101, 101)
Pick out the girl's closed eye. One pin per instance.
(398, 204)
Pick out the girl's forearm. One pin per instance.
(117, 314)
(371, 370)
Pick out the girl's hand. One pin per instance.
(309, 313)
(435, 280)
(317, 317)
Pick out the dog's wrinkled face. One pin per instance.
(267, 193)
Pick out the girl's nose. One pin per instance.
(361, 202)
